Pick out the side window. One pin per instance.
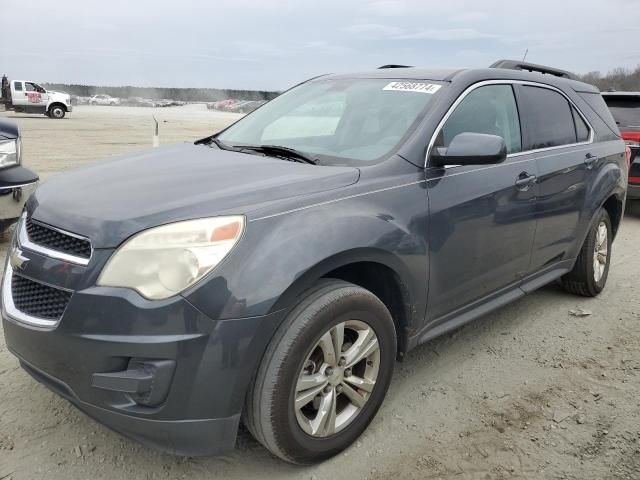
(17, 86)
(549, 121)
(490, 109)
(582, 129)
(29, 87)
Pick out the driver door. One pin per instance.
(36, 95)
(482, 217)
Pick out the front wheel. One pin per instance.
(589, 274)
(324, 374)
(56, 111)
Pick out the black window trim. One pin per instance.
(483, 83)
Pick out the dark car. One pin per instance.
(625, 107)
(273, 273)
(16, 181)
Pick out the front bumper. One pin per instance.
(180, 437)
(106, 330)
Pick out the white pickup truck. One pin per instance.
(29, 97)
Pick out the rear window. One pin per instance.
(549, 119)
(625, 109)
(17, 86)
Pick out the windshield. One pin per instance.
(625, 109)
(337, 121)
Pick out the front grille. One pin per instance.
(37, 299)
(56, 240)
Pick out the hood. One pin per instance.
(111, 200)
(58, 94)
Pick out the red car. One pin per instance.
(625, 107)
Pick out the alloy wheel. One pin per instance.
(600, 251)
(337, 378)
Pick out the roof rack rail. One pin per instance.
(393, 65)
(532, 67)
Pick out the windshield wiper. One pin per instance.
(223, 146)
(278, 150)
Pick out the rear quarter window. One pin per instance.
(598, 105)
(582, 129)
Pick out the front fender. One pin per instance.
(280, 256)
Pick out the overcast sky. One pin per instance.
(271, 44)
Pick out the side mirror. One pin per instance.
(471, 149)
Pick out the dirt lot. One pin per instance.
(527, 392)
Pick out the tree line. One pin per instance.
(155, 93)
(621, 79)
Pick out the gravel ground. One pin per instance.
(529, 391)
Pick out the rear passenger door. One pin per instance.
(558, 136)
(482, 217)
(18, 95)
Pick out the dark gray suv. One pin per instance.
(273, 273)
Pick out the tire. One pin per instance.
(586, 279)
(270, 412)
(57, 112)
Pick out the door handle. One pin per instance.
(590, 160)
(525, 180)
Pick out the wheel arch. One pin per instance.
(380, 272)
(614, 206)
(57, 104)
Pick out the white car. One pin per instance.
(103, 99)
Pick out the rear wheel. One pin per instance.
(589, 275)
(56, 111)
(324, 375)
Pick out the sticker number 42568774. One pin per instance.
(419, 87)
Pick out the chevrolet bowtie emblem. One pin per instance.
(17, 260)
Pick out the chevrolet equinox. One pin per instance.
(273, 273)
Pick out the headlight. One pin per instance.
(163, 261)
(10, 152)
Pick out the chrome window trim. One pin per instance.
(23, 241)
(10, 309)
(483, 83)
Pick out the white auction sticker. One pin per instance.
(413, 87)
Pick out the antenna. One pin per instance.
(525, 54)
